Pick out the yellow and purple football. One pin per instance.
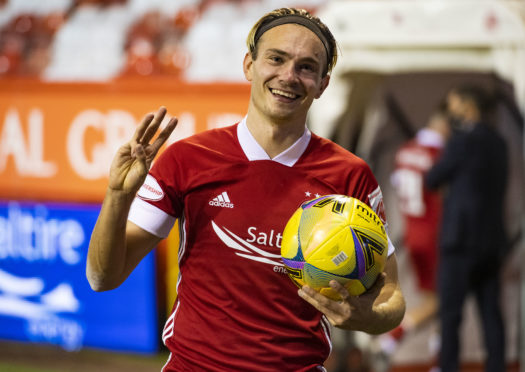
(334, 237)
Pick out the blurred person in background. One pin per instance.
(421, 210)
(474, 169)
(233, 190)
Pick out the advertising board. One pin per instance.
(57, 140)
(44, 293)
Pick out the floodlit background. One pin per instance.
(77, 76)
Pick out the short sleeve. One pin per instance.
(151, 218)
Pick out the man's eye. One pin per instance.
(308, 67)
(276, 59)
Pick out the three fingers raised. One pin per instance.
(150, 125)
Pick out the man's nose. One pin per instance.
(290, 73)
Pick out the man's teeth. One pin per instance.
(283, 93)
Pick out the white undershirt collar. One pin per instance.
(429, 137)
(254, 151)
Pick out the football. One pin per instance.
(334, 237)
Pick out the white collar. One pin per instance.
(254, 151)
(429, 137)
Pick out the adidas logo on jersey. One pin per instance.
(221, 200)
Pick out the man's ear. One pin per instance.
(324, 83)
(247, 64)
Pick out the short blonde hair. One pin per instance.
(320, 29)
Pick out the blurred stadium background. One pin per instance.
(77, 75)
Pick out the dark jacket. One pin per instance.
(474, 166)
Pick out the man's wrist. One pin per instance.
(118, 198)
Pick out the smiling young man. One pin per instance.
(233, 190)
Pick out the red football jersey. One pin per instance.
(421, 207)
(236, 309)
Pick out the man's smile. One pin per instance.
(282, 93)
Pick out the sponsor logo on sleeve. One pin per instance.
(151, 189)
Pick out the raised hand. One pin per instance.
(133, 160)
(114, 251)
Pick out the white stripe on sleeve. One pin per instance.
(150, 218)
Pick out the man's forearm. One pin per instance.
(385, 316)
(107, 248)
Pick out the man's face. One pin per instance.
(286, 76)
(456, 107)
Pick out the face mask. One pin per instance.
(455, 123)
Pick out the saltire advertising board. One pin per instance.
(44, 293)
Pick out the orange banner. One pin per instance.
(57, 140)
